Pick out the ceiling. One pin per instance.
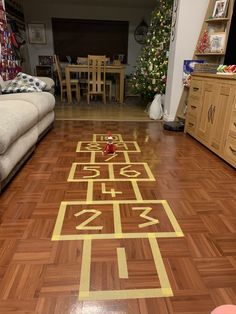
(111, 3)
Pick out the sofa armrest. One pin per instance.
(50, 83)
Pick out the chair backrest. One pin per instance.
(58, 68)
(82, 60)
(97, 73)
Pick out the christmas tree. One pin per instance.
(9, 66)
(150, 75)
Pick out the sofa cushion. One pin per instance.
(44, 123)
(44, 102)
(16, 117)
(49, 83)
(24, 83)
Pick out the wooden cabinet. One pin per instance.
(219, 26)
(206, 111)
(230, 146)
(220, 115)
(44, 70)
(211, 114)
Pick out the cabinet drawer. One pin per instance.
(196, 86)
(232, 128)
(195, 90)
(190, 125)
(230, 149)
(193, 108)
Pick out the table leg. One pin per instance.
(68, 86)
(117, 87)
(122, 83)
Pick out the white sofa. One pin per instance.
(24, 119)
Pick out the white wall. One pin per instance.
(45, 11)
(191, 14)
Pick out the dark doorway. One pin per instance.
(76, 37)
(230, 55)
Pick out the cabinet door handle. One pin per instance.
(235, 124)
(190, 124)
(232, 150)
(209, 114)
(195, 88)
(213, 114)
(194, 107)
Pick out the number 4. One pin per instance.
(113, 192)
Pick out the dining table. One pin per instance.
(116, 69)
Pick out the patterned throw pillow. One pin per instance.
(24, 83)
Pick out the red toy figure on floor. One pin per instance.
(110, 147)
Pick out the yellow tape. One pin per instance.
(85, 269)
(112, 156)
(111, 172)
(78, 148)
(72, 173)
(89, 197)
(167, 292)
(159, 263)
(172, 218)
(117, 235)
(149, 172)
(137, 193)
(117, 219)
(59, 222)
(93, 156)
(122, 263)
(123, 294)
(126, 155)
(57, 236)
(138, 150)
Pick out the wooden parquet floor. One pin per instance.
(134, 109)
(149, 230)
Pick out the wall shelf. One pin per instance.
(219, 20)
(209, 54)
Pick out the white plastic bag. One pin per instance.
(155, 110)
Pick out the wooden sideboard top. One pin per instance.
(216, 76)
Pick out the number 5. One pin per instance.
(94, 169)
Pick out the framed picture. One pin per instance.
(220, 9)
(45, 60)
(37, 33)
(217, 42)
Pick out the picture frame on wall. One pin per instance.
(217, 42)
(220, 9)
(45, 60)
(37, 33)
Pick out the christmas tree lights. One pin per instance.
(150, 75)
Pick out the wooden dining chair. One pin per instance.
(83, 76)
(97, 83)
(73, 82)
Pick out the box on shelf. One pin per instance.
(206, 67)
